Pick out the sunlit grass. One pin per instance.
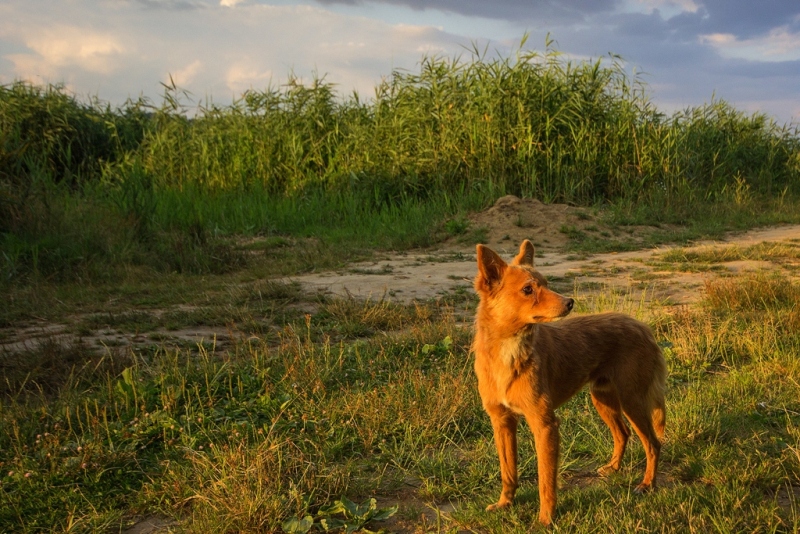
(276, 427)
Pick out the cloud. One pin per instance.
(667, 6)
(746, 18)
(247, 74)
(221, 48)
(54, 53)
(780, 44)
(184, 76)
(70, 45)
(180, 5)
(540, 11)
(121, 49)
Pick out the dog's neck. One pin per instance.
(515, 350)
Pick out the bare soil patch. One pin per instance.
(548, 226)
(432, 274)
(448, 270)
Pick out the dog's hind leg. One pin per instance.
(504, 423)
(640, 417)
(607, 403)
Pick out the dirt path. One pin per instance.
(431, 274)
(670, 277)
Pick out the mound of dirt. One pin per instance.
(547, 225)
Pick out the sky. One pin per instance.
(746, 52)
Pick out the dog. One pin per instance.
(528, 367)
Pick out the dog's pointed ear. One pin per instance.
(525, 256)
(490, 268)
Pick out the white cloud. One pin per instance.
(32, 67)
(246, 74)
(778, 45)
(118, 48)
(184, 76)
(63, 46)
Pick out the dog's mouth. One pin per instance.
(548, 318)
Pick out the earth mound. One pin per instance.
(549, 226)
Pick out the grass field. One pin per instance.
(144, 222)
(314, 399)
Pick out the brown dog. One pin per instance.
(527, 367)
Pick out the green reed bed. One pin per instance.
(302, 159)
(533, 124)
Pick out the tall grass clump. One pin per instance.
(46, 132)
(302, 159)
(532, 124)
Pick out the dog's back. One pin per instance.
(608, 351)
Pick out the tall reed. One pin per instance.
(532, 124)
(302, 159)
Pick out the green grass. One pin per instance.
(372, 399)
(701, 259)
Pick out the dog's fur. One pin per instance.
(528, 368)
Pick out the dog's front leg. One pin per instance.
(504, 423)
(546, 438)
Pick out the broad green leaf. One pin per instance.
(298, 526)
(334, 508)
(331, 523)
(385, 513)
(350, 506)
(447, 343)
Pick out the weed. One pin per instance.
(457, 226)
(572, 232)
(354, 517)
(474, 236)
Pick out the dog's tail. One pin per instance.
(656, 397)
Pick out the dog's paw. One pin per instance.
(607, 470)
(643, 488)
(498, 505)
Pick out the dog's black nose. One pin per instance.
(570, 304)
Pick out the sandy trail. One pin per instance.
(430, 274)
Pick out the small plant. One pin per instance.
(572, 232)
(439, 348)
(475, 235)
(351, 517)
(456, 226)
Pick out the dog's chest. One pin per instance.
(511, 366)
(511, 351)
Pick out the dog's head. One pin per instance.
(516, 293)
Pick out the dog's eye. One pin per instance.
(527, 290)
